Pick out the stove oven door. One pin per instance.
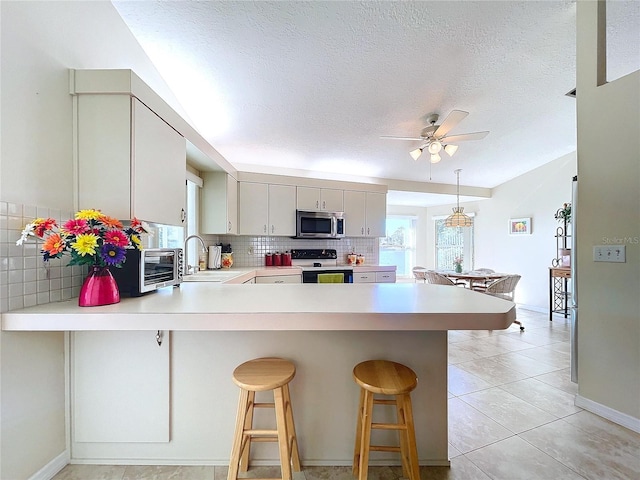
(311, 276)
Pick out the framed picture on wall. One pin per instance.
(520, 226)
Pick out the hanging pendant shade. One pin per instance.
(458, 217)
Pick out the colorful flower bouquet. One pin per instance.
(91, 238)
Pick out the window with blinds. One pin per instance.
(451, 243)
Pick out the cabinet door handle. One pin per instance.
(317, 204)
(362, 230)
(183, 215)
(265, 228)
(229, 226)
(273, 228)
(368, 231)
(324, 205)
(159, 336)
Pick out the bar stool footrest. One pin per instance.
(384, 448)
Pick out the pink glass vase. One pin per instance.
(99, 288)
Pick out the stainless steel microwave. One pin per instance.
(319, 224)
(148, 269)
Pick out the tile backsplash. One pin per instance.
(27, 280)
(250, 251)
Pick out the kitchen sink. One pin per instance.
(212, 276)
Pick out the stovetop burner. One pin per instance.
(314, 254)
(316, 259)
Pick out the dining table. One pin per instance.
(471, 277)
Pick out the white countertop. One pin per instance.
(242, 274)
(207, 306)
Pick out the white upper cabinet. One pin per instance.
(131, 163)
(325, 199)
(376, 214)
(267, 209)
(354, 213)
(365, 213)
(219, 204)
(282, 210)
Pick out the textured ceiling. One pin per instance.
(287, 87)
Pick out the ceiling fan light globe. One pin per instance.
(435, 147)
(435, 158)
(415, 154)
(450, 149)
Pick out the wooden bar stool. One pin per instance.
(383, 377)
(258, 375)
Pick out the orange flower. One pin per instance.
(110, 222)
(53, 245)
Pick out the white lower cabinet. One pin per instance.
(383, 276)
(364, 277)
(280, 279)
(120, 387)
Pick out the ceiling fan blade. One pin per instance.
(464, 137)
(388, 137)
(453, 119)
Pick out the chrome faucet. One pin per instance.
(187, 267)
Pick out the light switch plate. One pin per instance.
(609, 253)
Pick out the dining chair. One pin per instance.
(486, 281)
(419, 274)
(504, 288)
(438, 278)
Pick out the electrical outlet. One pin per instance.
(250, 250)
(609, 253)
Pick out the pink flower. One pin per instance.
(116, 237)
(75, 227)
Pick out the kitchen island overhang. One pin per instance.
(325, 329)
(219, 307)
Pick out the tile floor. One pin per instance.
(511, 416)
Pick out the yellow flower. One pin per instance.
(88, 214)
(135, 239)
(85, 244)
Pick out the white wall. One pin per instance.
(537, 194)
(40, 42)
(608, 208)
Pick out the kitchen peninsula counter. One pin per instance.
(207, 329)
(221, 307)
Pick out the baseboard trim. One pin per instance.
(257, 463)
(52, 468)
(533, 308)
(615, 416)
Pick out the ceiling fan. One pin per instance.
(434, 137)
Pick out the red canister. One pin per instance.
(286, 259)
(268, 260)
(277, 259)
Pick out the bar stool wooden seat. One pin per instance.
(382, 377)
(264, 374)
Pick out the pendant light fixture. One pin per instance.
(458, 217)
